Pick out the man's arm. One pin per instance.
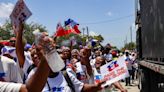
(92, 87)
(87, 62)
(38, 80)
(19, 46)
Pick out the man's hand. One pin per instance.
(98, 85)
(92, 87)
(83, 53)
(19, 29)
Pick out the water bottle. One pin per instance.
(54, 60)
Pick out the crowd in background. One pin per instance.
(26, 64)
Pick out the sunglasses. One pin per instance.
(13, 41)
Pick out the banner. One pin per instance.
(114, 71)
(20, 13)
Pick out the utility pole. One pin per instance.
(87, 32)
(83, 31)
(131, 33)
(126, 40)
(83, 42)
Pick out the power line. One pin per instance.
(107, 21)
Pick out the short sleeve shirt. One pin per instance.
(9, 70)
(77, 84)
(10, 87)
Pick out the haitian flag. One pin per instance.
(73, 24)
(113, 65)
(68, 30)
(60, 31)
(97, 78)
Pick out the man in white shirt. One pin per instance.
(9, 71)
(10, 52)
(37, 81)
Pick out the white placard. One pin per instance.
(114, 71)
(19, 13)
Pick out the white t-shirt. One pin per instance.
(9, 70)
(59, 82)
(9, 87)
(81, 73)
(77, 84)
(28, 62)
(129, 62)
(56, 84)
(92, 63)
(31, 73)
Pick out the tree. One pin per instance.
(129, 46)
(29, 28)
(99, 38)
(6, 31)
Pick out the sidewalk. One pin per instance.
(133, 88)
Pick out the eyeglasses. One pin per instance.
(12, 41)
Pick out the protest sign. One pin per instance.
(114, 71)
(20, 13)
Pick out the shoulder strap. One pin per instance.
(70, 84)
(30, 68)
(49, 88)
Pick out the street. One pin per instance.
(133, 88)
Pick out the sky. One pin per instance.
(110, 18)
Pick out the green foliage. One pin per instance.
(99, 38)
(6, 31)
(129, 46)
(29, 28)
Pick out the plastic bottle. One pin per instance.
(54, 60)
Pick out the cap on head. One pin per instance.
(12, 39)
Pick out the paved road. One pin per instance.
(133, 88)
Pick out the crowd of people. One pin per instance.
(24, 67)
